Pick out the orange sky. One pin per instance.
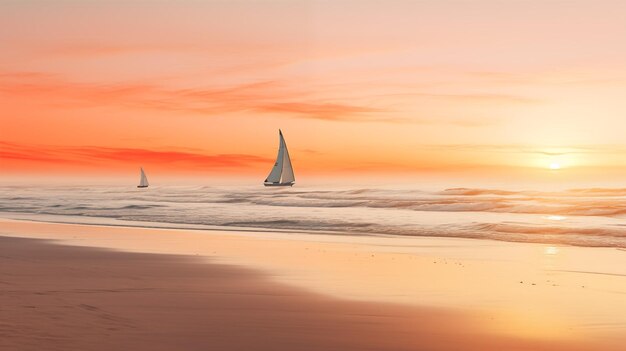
(195, 87)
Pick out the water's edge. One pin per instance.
(581, 217)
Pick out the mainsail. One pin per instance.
(143, 181)
(282, 172)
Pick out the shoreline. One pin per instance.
(529, 292)
(115, 222)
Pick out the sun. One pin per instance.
(555, 166)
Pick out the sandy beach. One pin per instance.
(87, 287)
(312, 175)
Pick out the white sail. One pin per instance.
(287, 173)
(282, 172)
(143, 181)
(277, 170)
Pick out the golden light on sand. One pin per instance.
(531, 325)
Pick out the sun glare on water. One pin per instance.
(551, 250)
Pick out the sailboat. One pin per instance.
(143, 181)
(282, 172)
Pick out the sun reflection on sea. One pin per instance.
(555, 218)
(551, 250)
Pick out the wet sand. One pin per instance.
(55, 296)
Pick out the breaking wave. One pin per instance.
(587, 217)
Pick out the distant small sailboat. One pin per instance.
(282, 172)
(143, 181)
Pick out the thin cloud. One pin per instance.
(527, 149)
(94, 155)
(310, 151)
(106, 49)
(267, 97)
(324, 111)
(468, 98)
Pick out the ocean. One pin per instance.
(582, 217)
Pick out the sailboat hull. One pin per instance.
(279, 184)
(142, 186)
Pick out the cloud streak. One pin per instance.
(324, 111)
(529, 149)
(266, 97)
(94, 155)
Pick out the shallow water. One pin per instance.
(583, 217)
